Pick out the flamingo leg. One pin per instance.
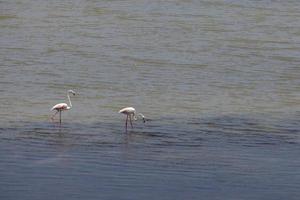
(60, 116)
(130, 121)
(52, 117)
(126, 122)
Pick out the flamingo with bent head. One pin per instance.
(130, 113)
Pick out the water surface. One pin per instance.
(219, 81)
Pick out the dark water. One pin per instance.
(218, 80)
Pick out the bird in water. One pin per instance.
(62, 106)
(130, 113)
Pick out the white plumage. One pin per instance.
(61, 106)
(127, 110)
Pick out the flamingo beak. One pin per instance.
(144, 120)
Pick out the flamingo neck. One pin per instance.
(139, 114)
(134, 116)
(69, 100)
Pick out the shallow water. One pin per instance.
(218, 80)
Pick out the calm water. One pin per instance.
(218, 79)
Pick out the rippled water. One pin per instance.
(218, 80)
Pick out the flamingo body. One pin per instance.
(61, 106)
(127, 110)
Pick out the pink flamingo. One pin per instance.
(62, 106)
(130, 112)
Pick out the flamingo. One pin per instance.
(62, 106)
(131, 112)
